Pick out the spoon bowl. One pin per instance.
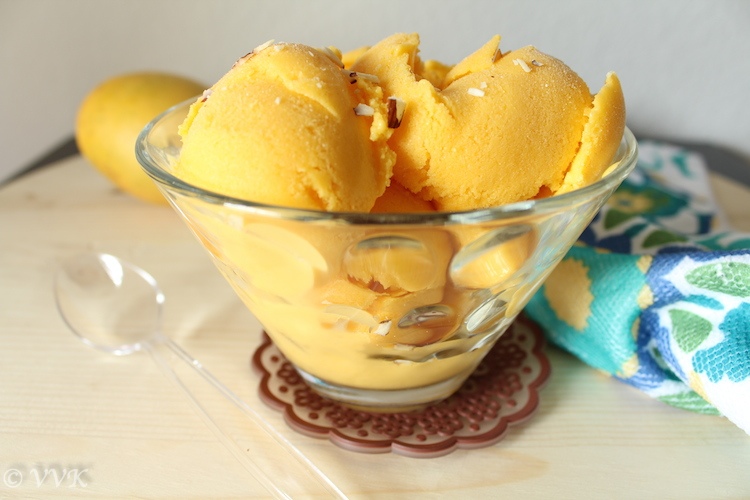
(109, 304)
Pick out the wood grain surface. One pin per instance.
(127, 432)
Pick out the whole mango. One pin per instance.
(112, 115)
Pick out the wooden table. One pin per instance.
(125, 430)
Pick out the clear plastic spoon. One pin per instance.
(116, 307)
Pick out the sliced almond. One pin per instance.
(396, 108)
(364, 110)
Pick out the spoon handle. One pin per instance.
(164, 350)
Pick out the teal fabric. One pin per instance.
(657, 290)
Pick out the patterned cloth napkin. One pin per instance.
(657, 290)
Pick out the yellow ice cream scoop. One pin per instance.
(495, 128)
(287, 125)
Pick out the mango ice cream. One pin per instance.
(290, 125)
(280, 128)
(378, 130)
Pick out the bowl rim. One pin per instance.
(622, 166)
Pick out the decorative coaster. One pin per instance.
(502, 391)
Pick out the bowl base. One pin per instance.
(385, 401)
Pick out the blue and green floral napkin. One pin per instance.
(657, 290)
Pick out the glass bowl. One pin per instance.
(383, 312)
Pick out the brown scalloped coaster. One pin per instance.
(502, 391)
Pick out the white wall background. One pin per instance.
(684, 64)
